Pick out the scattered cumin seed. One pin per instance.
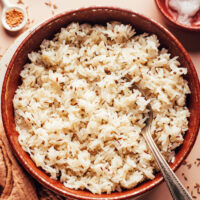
(198, 190)
(197, 187)
(189, 166)
(183, 175)
(48, 3)
(193, 195)
(55, 6)
(184, 162)
(28, 18)
(198, 161)
(20, 2)
(27, 7)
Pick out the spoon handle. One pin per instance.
(177, 190)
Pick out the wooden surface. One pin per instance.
(39, 10)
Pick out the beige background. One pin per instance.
(39, 10)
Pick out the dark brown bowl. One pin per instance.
(162, 6)
(96, 15)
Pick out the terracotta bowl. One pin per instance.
(168, 14)
(96, 15)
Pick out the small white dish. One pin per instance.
(7, 7)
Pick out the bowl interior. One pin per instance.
(99, 15)
(168, 14)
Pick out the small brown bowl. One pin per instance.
(163, 7)
(96, 15)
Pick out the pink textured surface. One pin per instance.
(189, 40)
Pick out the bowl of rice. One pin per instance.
(72, 115)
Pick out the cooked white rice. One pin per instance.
(78, 116)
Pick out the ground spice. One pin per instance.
(14, 17)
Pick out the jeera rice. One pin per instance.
(80, 119)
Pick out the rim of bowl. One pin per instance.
(173, 21)
(158, 178)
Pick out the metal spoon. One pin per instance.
(7, 7)
(177, 190)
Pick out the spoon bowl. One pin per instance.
(8, 7)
